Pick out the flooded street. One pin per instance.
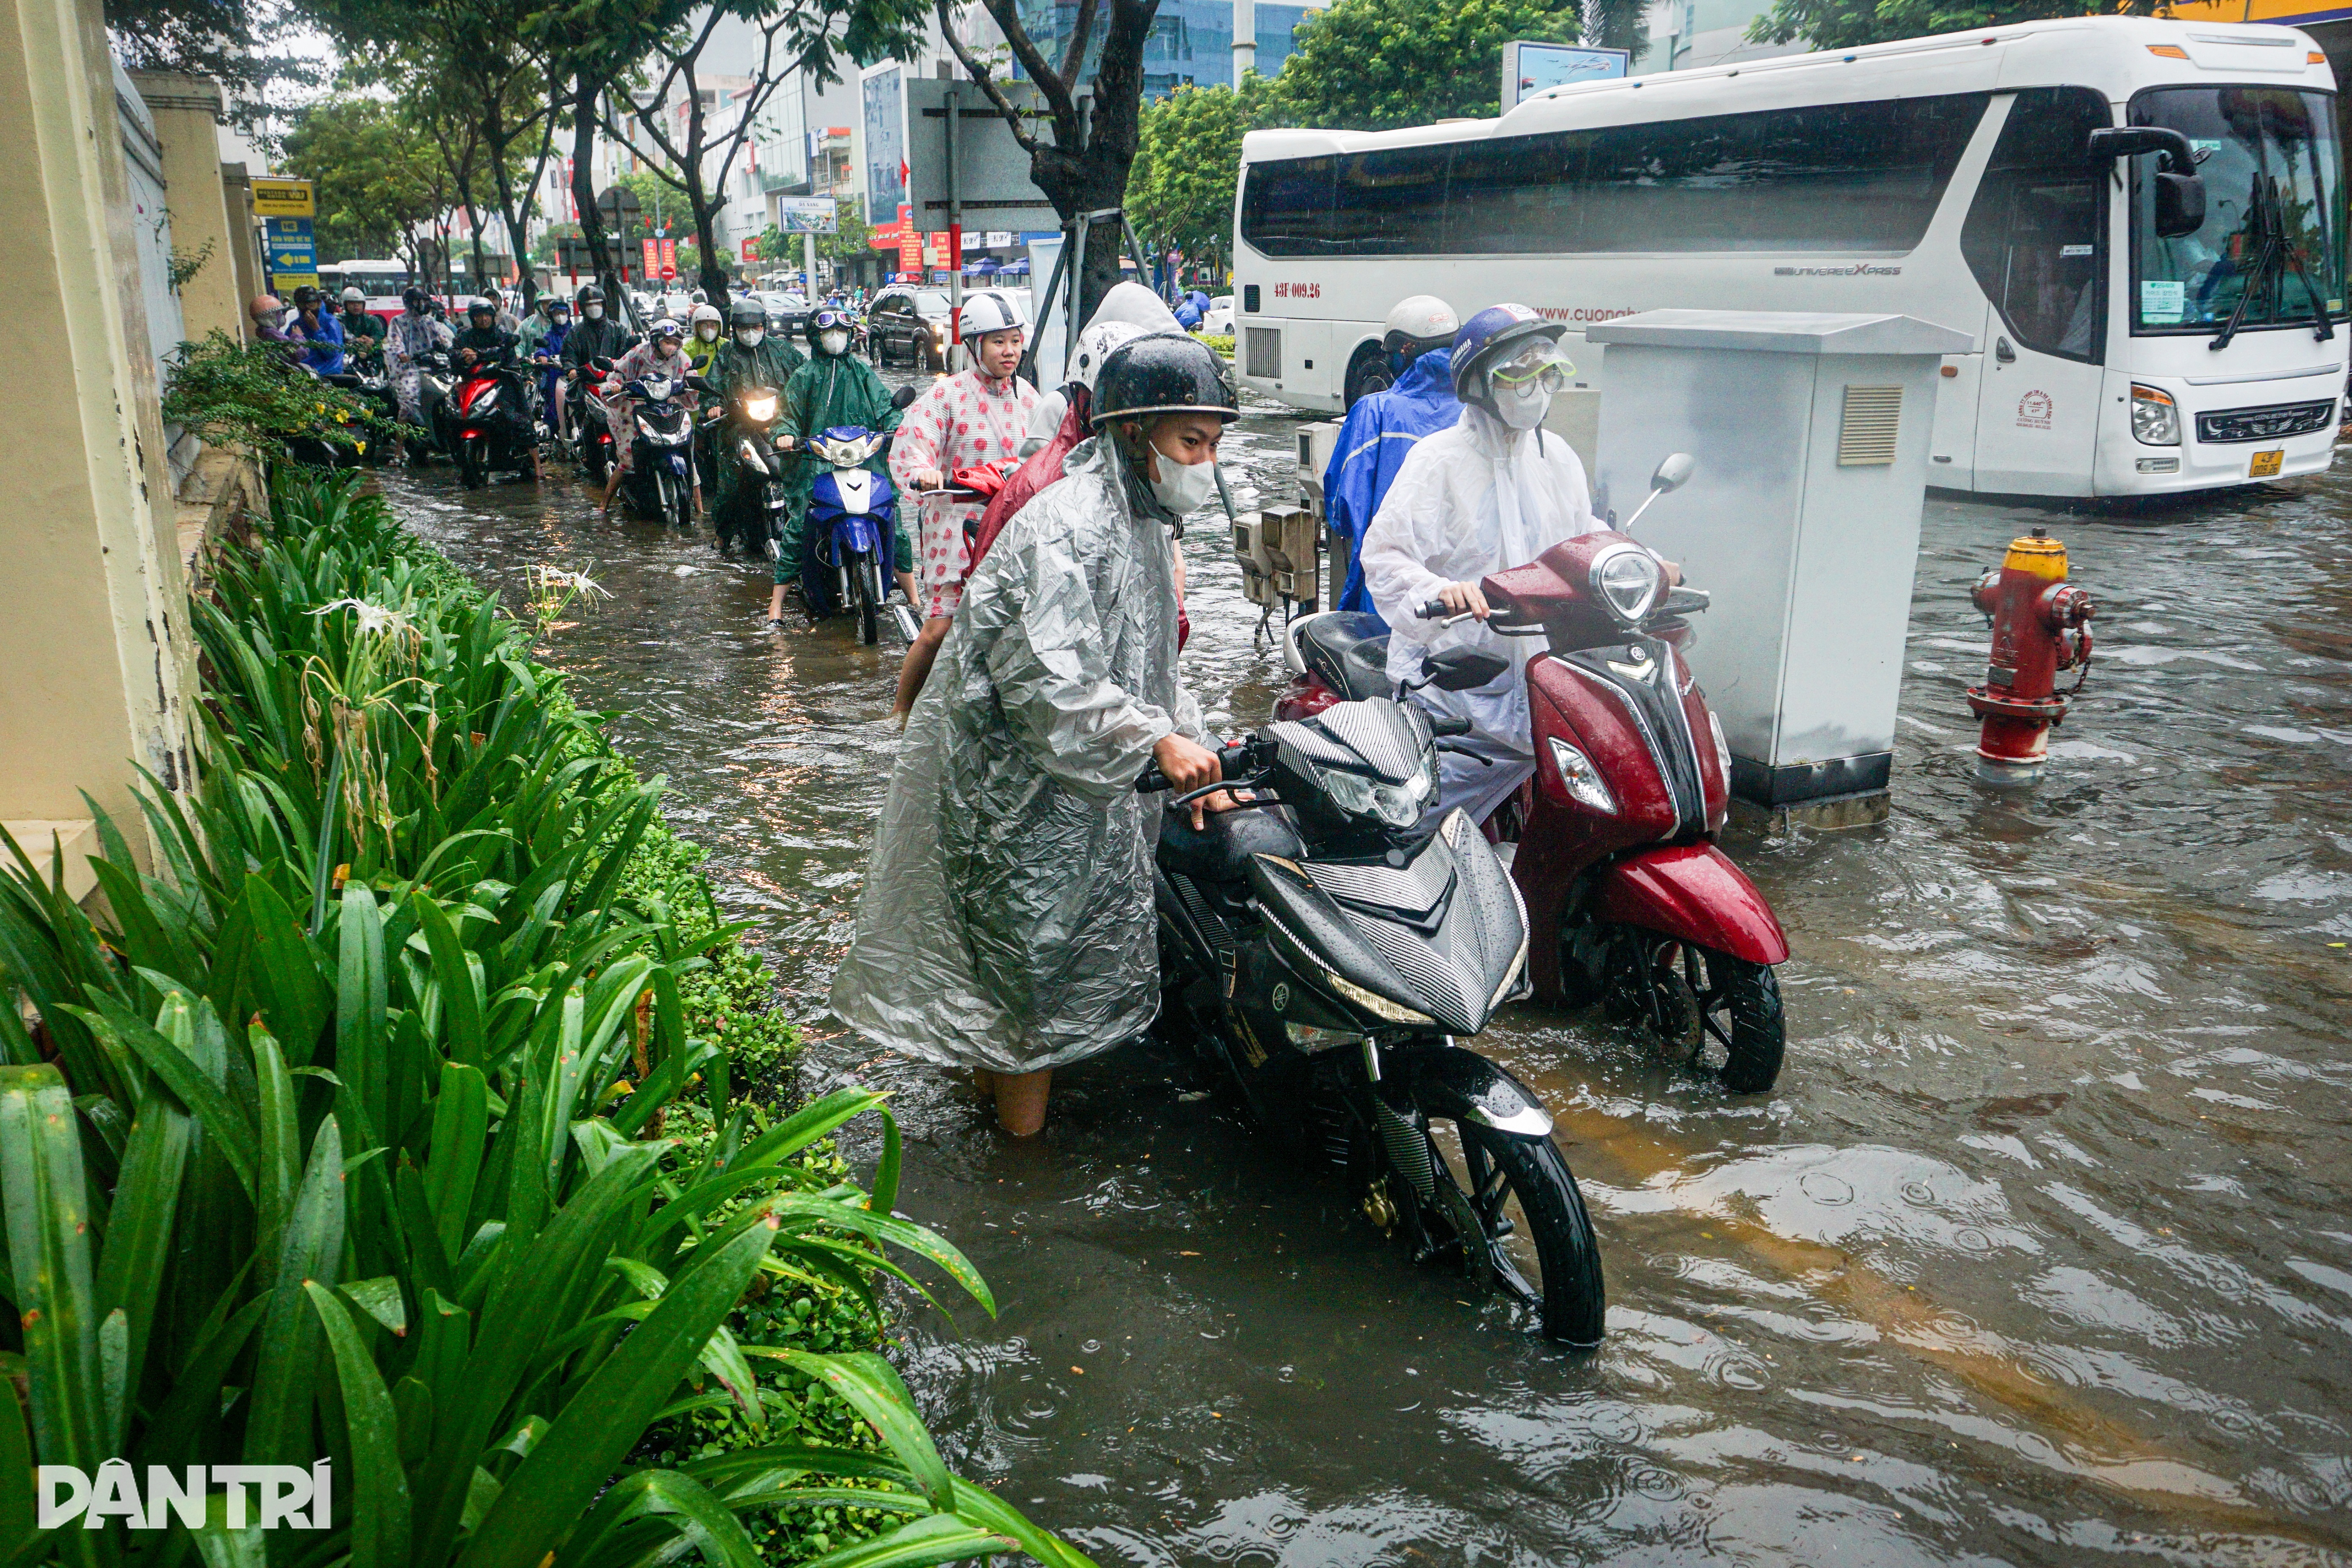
(2039, 1252)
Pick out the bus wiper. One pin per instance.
(2262, 223)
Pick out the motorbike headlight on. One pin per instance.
(760, 409)
(1628, 579)
(1583, 780)
(1377, 1006)
(2155, 418)
(1398, 804)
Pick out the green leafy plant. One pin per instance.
(338, 1137)
(249, 394)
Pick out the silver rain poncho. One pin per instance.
(1007, 919)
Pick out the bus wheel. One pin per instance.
(1368, 373)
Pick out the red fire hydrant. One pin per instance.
(2041, 625)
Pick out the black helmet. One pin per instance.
(747, 312)
(481, 308)
(415, 297)
(1162, 373)
(590, 295)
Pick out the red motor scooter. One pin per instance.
(1629, 900)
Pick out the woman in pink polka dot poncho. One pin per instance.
(977, 416)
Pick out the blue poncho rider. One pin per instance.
(1384, 425)
(1493, 493)
(1007, 922)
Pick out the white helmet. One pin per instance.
(1136, 305)
(355, 295)
(706, 313)
(988, 313)
(1421, 319)
(1095, 344)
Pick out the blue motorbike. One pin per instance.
(852, 529)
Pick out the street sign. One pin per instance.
(669, 258)
(653, 259)
(1528, 68)
(991, 174)
(293, 254)
(275, 198)
(751, 251)
(620, 206)
(808, 215)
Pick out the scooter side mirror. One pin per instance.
(1462, 668)
(1674, 471)
(699, 384)
(905, 397)
(604, 364)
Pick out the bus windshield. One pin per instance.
(2272, 166)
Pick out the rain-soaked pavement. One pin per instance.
(2038, 1252)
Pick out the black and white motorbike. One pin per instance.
(1327, 944)
(660, 482)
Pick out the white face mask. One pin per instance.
(1525, 409)
(708, 332)
(751, 337)
(1184, 488)
(833, 342)
(593, 312)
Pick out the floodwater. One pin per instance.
(2038, 1252)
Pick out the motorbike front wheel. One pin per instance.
(1513, 1203)
(1724, 1012)
(868, 575)
(472, 463)
(678, 504)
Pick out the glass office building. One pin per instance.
(1191, 40)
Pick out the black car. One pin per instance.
(911, 324)
(787, 312)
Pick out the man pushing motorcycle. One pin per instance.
(1492, 492)
(1007, 920)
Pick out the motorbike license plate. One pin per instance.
(2265, 465)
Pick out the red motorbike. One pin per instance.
(490, 422)
(1629, 900)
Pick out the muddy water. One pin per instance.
(2039, 1252)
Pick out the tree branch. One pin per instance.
(979, 73)
(1077, 56)
(1067, 133)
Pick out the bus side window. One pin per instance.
(2036, 233)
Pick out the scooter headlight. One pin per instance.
(1628, 579)
(1398, 804)
(1583, 780)
(760, 407)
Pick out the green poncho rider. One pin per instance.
(748, 358)
(835, 388)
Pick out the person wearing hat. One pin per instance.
(663, 354)
(1385, 425)
(1006, 924)
(833, 388)
(265, 312)
(363, 333)
(976, 416)
(1493, 491)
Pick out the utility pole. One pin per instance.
(1244, 39)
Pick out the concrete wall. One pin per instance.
(93, 622)
(185, 110)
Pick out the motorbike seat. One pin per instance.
(1228, 840)
(1348, 649)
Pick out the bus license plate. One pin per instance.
(2266, 465)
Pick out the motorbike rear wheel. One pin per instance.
(1513, 1203)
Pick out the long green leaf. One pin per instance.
(872, 1388)
(49, 1257)
(225, 1126)
(286, 1371)
(460, 1122)
(461, 1001)
(551, 1490)
(379, 1485)
(940, 1538)
(131, 1264)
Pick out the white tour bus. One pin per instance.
(2122, 347)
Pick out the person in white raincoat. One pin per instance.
(1007, 922)
(1493, 493)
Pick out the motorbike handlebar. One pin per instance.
(1448, 724)
(1433, 610)
(1231, 759)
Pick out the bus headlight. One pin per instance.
(2156, 420)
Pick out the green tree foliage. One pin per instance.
(374, 172)
(855, 235)
(240, 44)
(1187, 158)
(1843, 24)
(1374, 65)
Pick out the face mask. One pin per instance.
(665, 347)
(751, 337)
(1184, 488)
(707, 333)
(1524, 409)
(833, 342)
(593, 312)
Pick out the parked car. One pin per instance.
(910, 324)
(1219, 321)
